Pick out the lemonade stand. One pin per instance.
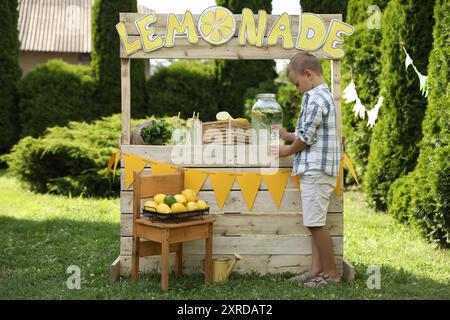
(258, 215)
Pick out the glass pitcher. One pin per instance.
(265, 113)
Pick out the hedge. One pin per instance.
(423, 197)
(10, 73)
(70, 160)
(55, 93)
(393, 149)
(357, 10)
(184, 86)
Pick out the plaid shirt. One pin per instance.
(316, 126)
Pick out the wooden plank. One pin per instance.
(235, 202)
(248, 245)
(336, 92)
(151, 185)
(195, 232)
(192, 263)
(234, 156)
(161, 22)
(232, 50)
(126, 100)
(348, 272)
(269, 224)
(115, 269)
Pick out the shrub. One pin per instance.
(55, 93)
(393, 149)
(69, 160)
(423, 197)
(183, 86)
(9, 74)
(357, 10)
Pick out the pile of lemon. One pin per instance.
(167, 204)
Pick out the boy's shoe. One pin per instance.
(322, 280)
(303, 276)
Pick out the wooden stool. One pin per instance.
(166, 237)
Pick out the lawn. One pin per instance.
(41, 235)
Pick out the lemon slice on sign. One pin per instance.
(217, 25)
(223, 116)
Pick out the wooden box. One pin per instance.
(227, 132)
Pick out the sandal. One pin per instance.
(322, 280)
(302, 276)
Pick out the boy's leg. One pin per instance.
(322, 238)
(316, 265)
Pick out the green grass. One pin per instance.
(41, 235)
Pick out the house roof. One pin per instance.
(57, 25)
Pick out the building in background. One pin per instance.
(57, 29)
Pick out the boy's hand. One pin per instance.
(280, 129)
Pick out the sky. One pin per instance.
(197, 6)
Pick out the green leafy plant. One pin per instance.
(159, 133)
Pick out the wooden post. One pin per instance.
(165, 260)
(126, 100)
(336, 91)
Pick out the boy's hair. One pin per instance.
(302, 61)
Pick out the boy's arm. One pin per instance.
(297, 146)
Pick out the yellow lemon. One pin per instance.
(148, 205)
(163, 208)
(217, 25)
(202, 205)
(159, 198)
(189, 195)
(178, 207)
(180, 199)
(223, 116)
(192, 206)
(242, 119)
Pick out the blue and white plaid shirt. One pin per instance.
(316, 126)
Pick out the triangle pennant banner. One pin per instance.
(221, 183)
(162, 168)
(194, 179)
(276, 183)
(249, 183)
(340, 179)
(348, 163)
(132, 163)
(296, 181)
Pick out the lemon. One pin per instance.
(163, 208)
(202, 205)
(192, 206)
(150, 204)
(242, 119)
(223, 115)
(216, 25)
(159, 198)
(180, 199)
(189, 195)
(178, 207)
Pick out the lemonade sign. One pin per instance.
(217, 26)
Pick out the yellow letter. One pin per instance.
(187, 27)
(281, 28)
(311, 33)
(248, 28)
(129, 47)
(333, 44)
(150, 41)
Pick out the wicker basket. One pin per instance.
(227, 132)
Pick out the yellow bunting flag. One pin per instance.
(163, 168)
(249, 183)
(340, 179)
(349, 165)
(276, 183)
(132, 163)
(194, 179)
(296, 181)
(221, 183)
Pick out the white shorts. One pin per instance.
(316, 187)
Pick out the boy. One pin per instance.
(317, 154)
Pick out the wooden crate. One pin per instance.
(227, 132)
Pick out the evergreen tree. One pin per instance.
(236, 77)
(423, 196)
(106, 59)
(10, 73)
(393, 150)
(325, 6)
